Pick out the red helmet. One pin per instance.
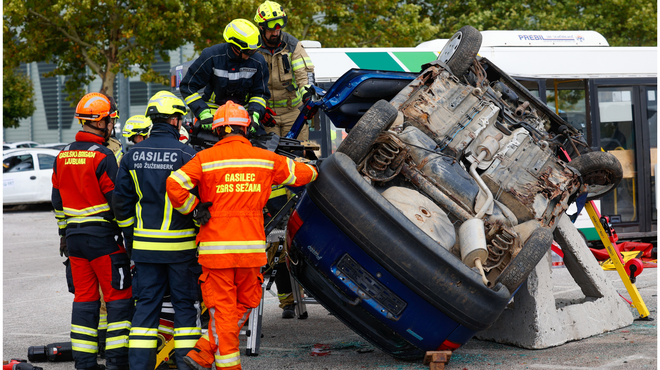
(230, 114)
(94, 107)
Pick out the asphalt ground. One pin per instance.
(37, 311)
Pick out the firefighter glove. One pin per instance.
(64, 251)
(201, 213)
(268, 119)
(308, 92)
(206, 119)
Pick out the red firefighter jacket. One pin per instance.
(237, 179)
(83, 181)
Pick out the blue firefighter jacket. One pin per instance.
(225, 76)
(160, 234)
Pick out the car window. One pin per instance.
(18, 163)
(23, 145)
(46, 161)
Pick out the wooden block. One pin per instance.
(437, 357)
(437, 366)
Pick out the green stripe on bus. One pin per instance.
(382, 61)
(590, 233)
(413, 60)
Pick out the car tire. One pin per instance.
(601, 171)
(377, 119)
(536, 246)
(461, 49)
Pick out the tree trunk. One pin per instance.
(108, 86)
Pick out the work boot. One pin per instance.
(288, 312)
(97, 367)
(193, 364)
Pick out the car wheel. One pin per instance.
(461, 49)
(365, 132)
(516, 272)
(601, 171)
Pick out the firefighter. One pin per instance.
(234, 181)
(229, 72)
(112, 143)
(291, 73)
(161, 240)
(291, 69)
(83, 185)
(137, 128)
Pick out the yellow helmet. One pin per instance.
(137, 125)
(243, 34)
(271, 16)
(164, 103)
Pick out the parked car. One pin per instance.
(26, 175)
(19, 144)
(440, 201)
(56, 146)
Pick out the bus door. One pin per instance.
(625, 124)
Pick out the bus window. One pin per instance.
(652, 114)
(572, 107)
(617, 136)
(532, 86)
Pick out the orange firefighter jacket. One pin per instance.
(237, 179)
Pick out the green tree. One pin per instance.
(335, 23)
(17, 97)
(86, 39)
(623, 23)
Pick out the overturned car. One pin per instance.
(440, 201)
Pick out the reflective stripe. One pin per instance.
(237, 163)
(127, 222)
(297, 64)
(182, 179)
(231, 359)
(278, 192)
(138, 205)
(120, 341)
(103, 322)
(167, 213)
(142, 343)
(292, 174)
(188, 205)
(59, 214)
(233, 76)
(164, 233)
(255, 246)
(61, 224)
(80, 220)
(164, 246)
(84, 346)
(231, 119)
(192, 98)
(314, 173)
(84, 330)
(165, 329)
(144, 331)
(119, 325)
(188, 331)
(87, 211)
(256, 99)
(285, 103)
(185, 343)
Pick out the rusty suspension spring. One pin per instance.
(383, 156)
(500, 244)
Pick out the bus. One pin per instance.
(607, 93)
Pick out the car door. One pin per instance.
(19, 179)
(45, 177)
